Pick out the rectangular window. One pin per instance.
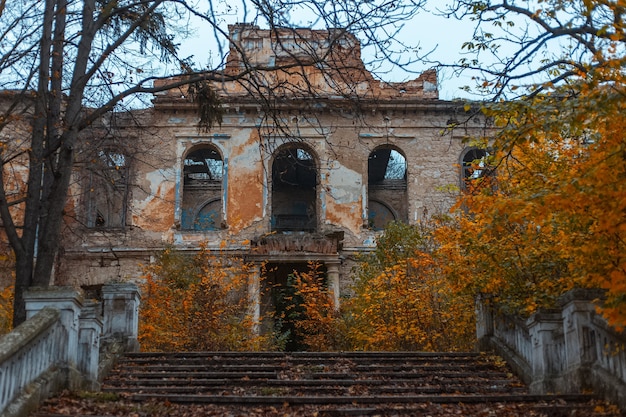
(107, 191)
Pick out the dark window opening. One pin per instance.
(107, 190)
(294, 191)
(203, 173)
(474, 164)
(387, 187)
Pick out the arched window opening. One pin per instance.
(107, 191)
(204, 165)
(387, 187)
(379, 215)
(294, 190)
(203, 173)
(474, 163)
(476, 171)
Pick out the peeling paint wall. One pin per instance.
(342, 134)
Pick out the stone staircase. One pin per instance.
(323, 384)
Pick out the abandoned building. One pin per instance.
(313, 157)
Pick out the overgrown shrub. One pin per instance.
(402, 301)
(198, 302)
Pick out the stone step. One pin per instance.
(324, 384)
(358, 399)
(305, 378)
(189, 376)
(246, 382)
(300, 357)
(308, 389)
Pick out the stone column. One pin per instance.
(89, 345)
(484, 324)
(254, 296)
(542, 328)
(332, 277)
(580, 349)
(69, 302)
(121, 313)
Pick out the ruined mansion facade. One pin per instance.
(313, 157)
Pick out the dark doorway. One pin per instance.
(281, 301)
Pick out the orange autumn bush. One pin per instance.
(317, 323)
(198, 302)
(402, 301)
(399, 301)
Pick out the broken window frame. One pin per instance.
(302, 215)
(208, 182)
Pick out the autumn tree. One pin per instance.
(553, 217)
(65, 65)
(523, 48)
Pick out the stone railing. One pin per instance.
(566, 350)
(65, 343)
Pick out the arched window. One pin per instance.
(387, 187)
(107, 190)
(379, 214)
(473, 163)
(476, 172)
(203, 172)
(294, 189)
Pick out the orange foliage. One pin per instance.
(198, 302)
(402, 301)
(7, 278)
(6, 309)
(556, 218)
(317, 323)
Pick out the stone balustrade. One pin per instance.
(63, 343)
(566, 350)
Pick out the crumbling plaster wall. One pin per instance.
(342, 149)
(351, 116)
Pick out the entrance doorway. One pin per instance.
(281, 302)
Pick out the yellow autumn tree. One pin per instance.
(555, 216)
(402, 301)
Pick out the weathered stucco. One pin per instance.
(333, 133)
(246, 185)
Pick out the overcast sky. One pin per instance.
(444, 37)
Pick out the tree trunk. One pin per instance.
(23, 280)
